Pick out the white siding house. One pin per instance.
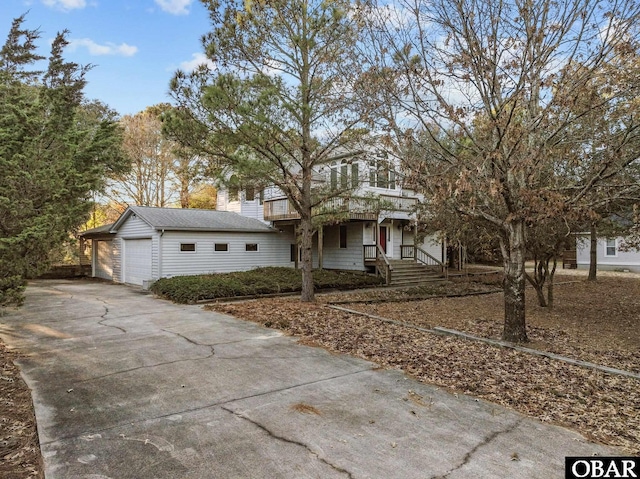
(151, 243)
(610, 254)
(376, 211)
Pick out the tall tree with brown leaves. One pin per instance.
(489, 93)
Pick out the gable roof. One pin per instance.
(178, 219)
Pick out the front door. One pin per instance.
(383, 238)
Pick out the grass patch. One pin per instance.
(189, 289)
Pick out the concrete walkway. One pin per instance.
(128, 386)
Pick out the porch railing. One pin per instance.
(421, 256)
(375, 253)
(358, 207)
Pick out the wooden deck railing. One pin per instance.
(358, 207)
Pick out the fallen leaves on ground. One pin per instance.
(19, 447)
(597, 322)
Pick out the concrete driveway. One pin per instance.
(128, 386)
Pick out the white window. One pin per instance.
(355, 180)
(611, 247)
(221, 247)
(333, 176)
(251, 247)
(381, 174)
(187, 247)
(339, 175)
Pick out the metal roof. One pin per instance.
(178, 219)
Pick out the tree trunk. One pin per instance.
(538, 280)
(550, 285)
(306, 235)
(184, 193)
(542, 302)
(514, 284)
(593, 253)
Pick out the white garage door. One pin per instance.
(104, 265)
(137, 260)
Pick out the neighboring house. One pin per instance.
(146, 243)
(377, 216)
(611, 254)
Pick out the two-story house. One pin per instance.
(371, 227)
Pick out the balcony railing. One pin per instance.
(357, 208)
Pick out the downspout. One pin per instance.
(160, 254)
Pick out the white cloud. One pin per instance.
(197, 59)
(107, 49)
(175, 7)
(65, 5)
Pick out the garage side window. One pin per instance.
(221, 247)
(251, 247)
(188, 247)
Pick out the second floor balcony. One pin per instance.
(355, 208)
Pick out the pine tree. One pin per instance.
(53, 154)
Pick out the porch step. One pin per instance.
(411, 273)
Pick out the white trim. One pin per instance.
(195, 247)
(606, 247)
(221, 251)
(257, 250)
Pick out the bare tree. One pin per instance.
(152, 160)
(489, 93)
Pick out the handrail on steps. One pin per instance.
(373, 252)
(387, 266)
(421, 256)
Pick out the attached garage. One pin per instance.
(137, 260)
(147, 243)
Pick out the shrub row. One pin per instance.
(189, 289)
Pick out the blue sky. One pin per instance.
(135, 45)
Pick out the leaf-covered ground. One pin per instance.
(597, 322)
(19, 447)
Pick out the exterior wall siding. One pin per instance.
(252, 209)
(622, 260)
(349, 258)
(116, 258)
(432, 245)
(273, 250)
(134, 227)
